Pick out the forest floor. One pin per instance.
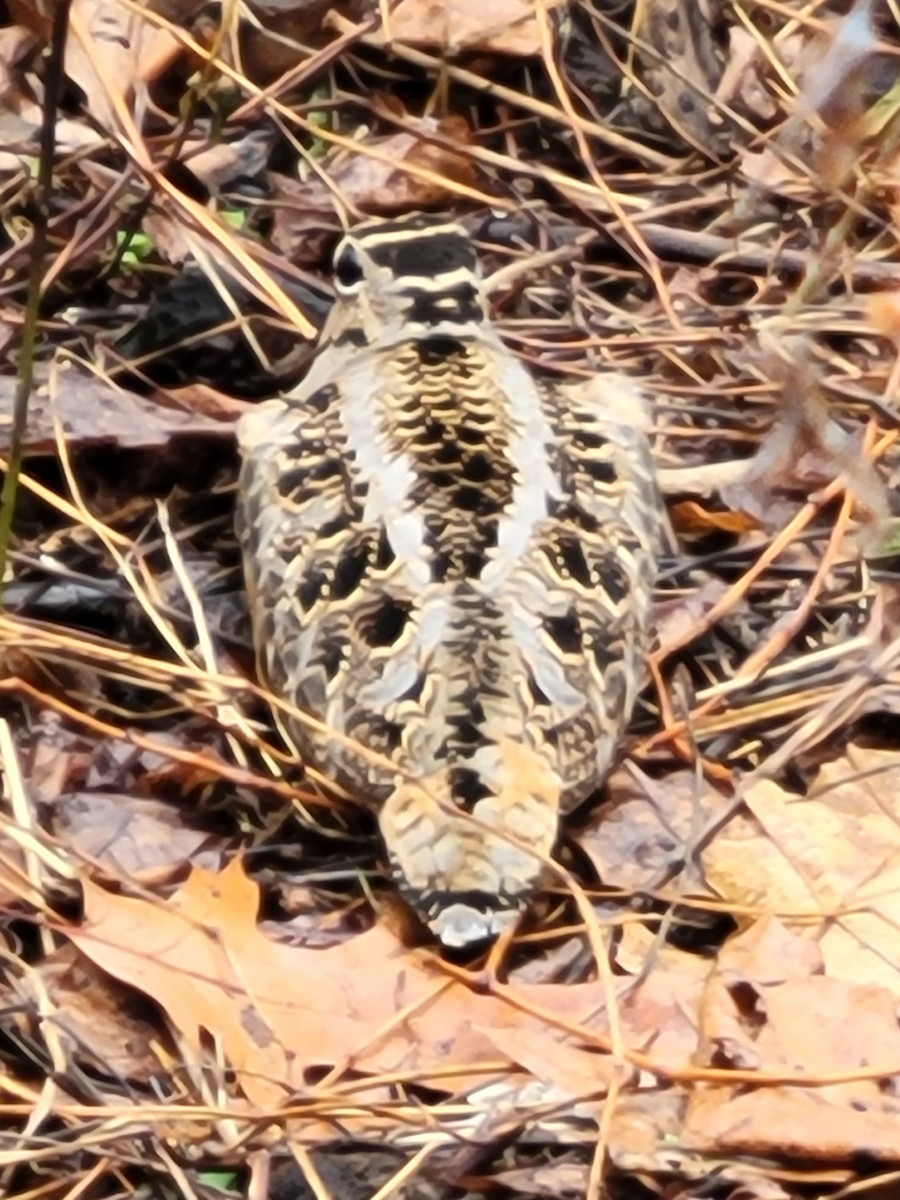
(207, 984)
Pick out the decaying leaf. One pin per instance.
(645, 826)
(110, 47)
(559, 1179)
(380, 185)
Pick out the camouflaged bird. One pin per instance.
(450, 565)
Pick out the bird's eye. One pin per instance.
(348, 269)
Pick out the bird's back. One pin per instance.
(451, 565)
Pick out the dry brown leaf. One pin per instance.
(574, 1070)
(278, 34)
(222, 163)
(833, 854)
(555, 1179)
(769, 1007)
(143, 841)
(111, 46)
(747, 870)
(458, 26)
(368, 1005)
(101, 1024)
(376, 185)
(645, 825)
(92, 413)
(861, 791)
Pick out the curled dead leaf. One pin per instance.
(692, 519)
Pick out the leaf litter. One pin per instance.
(203, 958)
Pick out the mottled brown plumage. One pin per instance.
(450, 567)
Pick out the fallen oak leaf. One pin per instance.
(277, 1009)
(369, 1004)
(175, 957)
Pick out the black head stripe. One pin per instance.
(429, 256)
(433, 902)
(432, 306)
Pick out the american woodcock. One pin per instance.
(450, 564)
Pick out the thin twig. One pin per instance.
(40, 223)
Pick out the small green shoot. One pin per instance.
(221, 1181)
(138, 246)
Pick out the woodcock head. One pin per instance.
(400, 279)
